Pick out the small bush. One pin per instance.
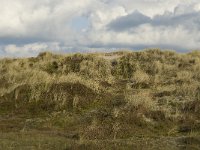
(51, 67)
(142, 98)
(141, 79)
(184, 76)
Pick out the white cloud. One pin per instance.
(47, 19)
(178, 29)
(29, 49)
(28, 27)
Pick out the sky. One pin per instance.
(28, 27)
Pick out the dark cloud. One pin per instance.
(126, 22)
(190, 20)
(168, 19)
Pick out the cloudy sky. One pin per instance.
(28, 27)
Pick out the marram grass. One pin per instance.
(83, 101)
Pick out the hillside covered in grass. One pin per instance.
(103, 96)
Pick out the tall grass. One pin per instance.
(110, 89)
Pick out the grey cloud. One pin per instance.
(189, 20)
(186, 20)
(21, 40)
(126, 22)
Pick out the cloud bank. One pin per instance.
(29, 27)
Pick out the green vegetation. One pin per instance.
(83, 101)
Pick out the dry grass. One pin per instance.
(113, 95)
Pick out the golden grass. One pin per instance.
(105, 89)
